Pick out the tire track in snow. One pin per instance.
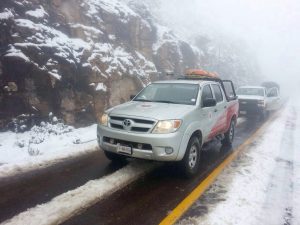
(66, 205)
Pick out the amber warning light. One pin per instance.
(200, 73)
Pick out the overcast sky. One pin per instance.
(270, 27)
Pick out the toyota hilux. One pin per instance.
(171, 120)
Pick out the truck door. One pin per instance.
(220, 115)
(207, 113)
(273, 99)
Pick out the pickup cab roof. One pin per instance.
(252, 86)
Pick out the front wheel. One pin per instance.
(189, 165)
(229, 135)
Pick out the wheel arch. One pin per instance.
(198, 134)
(184, 143)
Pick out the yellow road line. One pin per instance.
(183, 206)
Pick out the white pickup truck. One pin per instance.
(258, 100)
(170, 121)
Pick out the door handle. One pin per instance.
(225, 106)
(215, 110)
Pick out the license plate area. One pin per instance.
(124, 149)
(243, 112)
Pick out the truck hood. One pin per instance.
(152, 110)
(250, 97)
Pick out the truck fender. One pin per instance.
(191, 129)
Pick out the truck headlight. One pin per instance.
(103, 120)
(166, 126)
(261, 103)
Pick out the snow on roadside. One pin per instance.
(66, 205)
(239, 193)
(296, 167)
(43, 146)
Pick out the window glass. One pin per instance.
(206, 93)
(250, 91)
(273, 93)
(174, 93)
(229, 90)
(218, 93)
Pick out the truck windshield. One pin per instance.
(250, 91)
(169, 93)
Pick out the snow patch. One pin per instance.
(55, 75)
(37, 13)
(7, 14)
(101, 87)
(43, 146)
(16, 53)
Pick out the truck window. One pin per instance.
(229, 90)
(175, 93)
(250, 91)
(206, 93)
(217, 92)
(273, 92)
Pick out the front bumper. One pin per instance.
(157, 143)
(250, 108)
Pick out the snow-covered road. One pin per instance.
(262, 185)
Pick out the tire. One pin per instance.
(264, 115)
(189, 165)
(114, 157)
(229, 135)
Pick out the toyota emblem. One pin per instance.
(127, 123)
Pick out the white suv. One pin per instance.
(257, 100)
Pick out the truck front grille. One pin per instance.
(248, 104)
(131, 124)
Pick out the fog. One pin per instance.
(271, 28)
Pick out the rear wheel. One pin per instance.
(189, 165)
(114, 157)
(229, 135)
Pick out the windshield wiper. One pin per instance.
(165, 101)
(142, 100)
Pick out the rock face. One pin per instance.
(76, 58)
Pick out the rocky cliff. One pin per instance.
(75, 58)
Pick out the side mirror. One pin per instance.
(209, 102)
(132, 97)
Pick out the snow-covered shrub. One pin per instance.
(20, 143)
(33, 151)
